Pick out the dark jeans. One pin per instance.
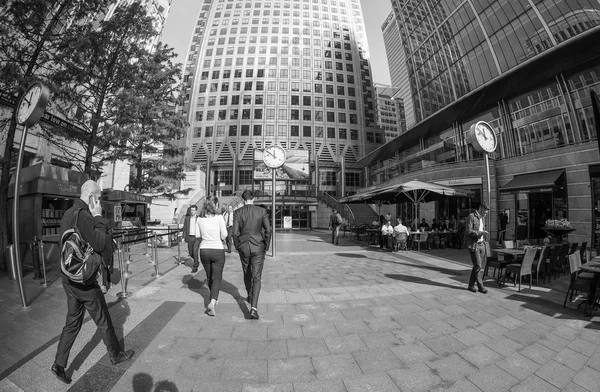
(193, 245)
(80, 298)
(477, 258)
(213, 261)
(252, 265)
(229, 238)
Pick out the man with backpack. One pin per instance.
(335, 220)
(82, 289)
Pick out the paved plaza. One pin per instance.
(332, 318)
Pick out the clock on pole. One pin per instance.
(274, 156)
(28, 112)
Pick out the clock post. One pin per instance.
(274, 157)
(29, 110)
(482, 137)
(273, 231)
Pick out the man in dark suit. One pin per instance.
(190, 235)
(476, 234)
(251, 236)
(228, 216)
(87, 212)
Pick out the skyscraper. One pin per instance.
(390, 111)
(289, 72)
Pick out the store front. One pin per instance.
(595, 185)
(538, 197)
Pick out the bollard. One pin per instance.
(124, 274)
(151, 241)
(156, 273)
(45, 282)
(35, 254)
(148, 245)
(178, 249)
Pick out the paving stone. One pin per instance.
(444, 345)
(349, 327)
(535, 384)
(380, 340)
(480, 355)
(335, 366)
(583, 346)
(319, 330)
(538, 353)
(266, 388)
(470, 337)
(345, 344)
(380, 382)
(325, 315)
(307, 347)
(509, 322)
(414, 353)
(290, 370)
(228, 349)
(461, 385)
(411, 333)
(451, 368)
(245, 370)
(438, 328)
(320, 386)
(522, 336)
(554, 342)
(518, 366)
(285, 331)
(249, 331)
(571, 359)
(493, 379)
(461, 322)
(491, 329)
(267, 349)
(587, 378)
(556, 374)
(417, 377)
(566, 332)
(373, 361)
(382, 324)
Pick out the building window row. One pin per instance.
(284, 73)
(210, 131)
(294, 100)
(283, 87)
(272, 114)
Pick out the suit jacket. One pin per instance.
(473, 233)
(186, 227)
(251, 224)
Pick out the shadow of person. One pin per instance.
(165, 386)
(119, 311)
(142, 382)
(416, 279)
(232, 290)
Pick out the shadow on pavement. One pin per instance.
(119, 311)
(200, 287)
(549, 308)
(430, 268)
(143, 382)
(414, 279)
(353, 255)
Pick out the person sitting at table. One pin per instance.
(398, 229)
(434, 225)
(452, 223)
(387, 233)
(424, 225)
(444, 225)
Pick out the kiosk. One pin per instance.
(45, 193)
(126, 212)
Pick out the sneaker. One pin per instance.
(181, 262)
(483, 290)
(210, 310)
(254, 314)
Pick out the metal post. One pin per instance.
(156, 273)
(489, 192)
(15, 211)
(45, 282)
(178, 248)
(152, 244)
(273, 215)
(124, 272)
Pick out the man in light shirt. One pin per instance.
(228, 216)
(387, 233)
(476, 243)
(400, 228)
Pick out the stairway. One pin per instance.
(362, 213)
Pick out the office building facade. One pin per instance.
(390, 111)
(527, 68)
(290, 72)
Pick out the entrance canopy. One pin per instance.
(533, 182)
(414, 191)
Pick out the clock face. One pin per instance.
(274, 156)
(485, 136)
(32, 104)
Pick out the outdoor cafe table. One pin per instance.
(593, 267)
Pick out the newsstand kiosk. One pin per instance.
(45, 193)
(126, 212)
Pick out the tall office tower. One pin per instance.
(390, 111)
(289, 72)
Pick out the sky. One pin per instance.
(180, 24)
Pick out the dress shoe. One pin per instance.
(194, 270)
(472, 289)
(123, 356)
(482, 290)
(59, 372)
(210, 310)
(254, 314)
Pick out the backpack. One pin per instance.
(78, 260)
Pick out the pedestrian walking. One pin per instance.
(86, 215)
(335, 220)
(228, 217)
(251, 236)
(212, 231)
(190, 225)
(476, 242)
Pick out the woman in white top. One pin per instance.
(212, 231)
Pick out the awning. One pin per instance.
(533, 182)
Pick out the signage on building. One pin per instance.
(118, 215)
(461, 181)
(287, 222)
(312, 208)
(525, 191)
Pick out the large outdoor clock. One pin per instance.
(274, 156)
(32, 104)
(482, 137)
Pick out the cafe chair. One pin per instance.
(420, 240)
(582, 253)
(492, 261)
(434, 240)
(523, 269)
(573, 248)
(551, 266)
(577, 283)
(509, 244)
(401, 241)
(539, 265)
(562, 264)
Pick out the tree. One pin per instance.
(29, 34)
(97, 63)
(148, 127)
